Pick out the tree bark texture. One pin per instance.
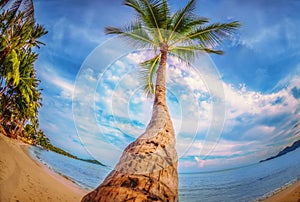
(147, 169)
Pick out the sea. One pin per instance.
(249, 183)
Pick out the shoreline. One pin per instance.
(55, 173)
(23, 178)
(287, 193)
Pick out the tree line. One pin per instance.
(19, 86)
(20, 95)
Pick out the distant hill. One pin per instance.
(286, 150)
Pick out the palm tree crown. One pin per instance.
(183, 33)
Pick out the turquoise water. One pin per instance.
(242, 184)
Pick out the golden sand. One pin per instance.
(290, 194)
(23, 179)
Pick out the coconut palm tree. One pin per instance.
(11, 17)
(20, 102)
(147, 169)
(19, 93)
(18, 34)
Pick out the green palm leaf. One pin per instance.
(147, 72)
(195, 49)
(179, 19)
(134, 33)
(13, 73)
(154, 14)
(212, 34)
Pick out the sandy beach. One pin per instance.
(23, 179)
(290, 194)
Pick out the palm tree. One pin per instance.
(19, 5)
(18, 34)
(11, 17)
(20, 102)
(147, 169)
(19, 93)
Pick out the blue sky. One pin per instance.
(259, 75)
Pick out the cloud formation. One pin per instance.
(259, 74)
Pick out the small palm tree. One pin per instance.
(147, 169)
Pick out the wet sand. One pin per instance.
(24, 179)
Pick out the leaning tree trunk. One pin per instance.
(147, 169)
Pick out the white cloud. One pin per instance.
(265, 34)
(243, 101)
(137, 57)
(118, 93)
(51, 77)
(246, 115)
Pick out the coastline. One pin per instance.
(24, 179)
(289, 193)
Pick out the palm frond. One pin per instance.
(3, 3)
(198, 48)
(134, 33)
(179, 19)
(15, 6)
(212, 35)
(147, 72)
(13, 11)
(135, 4)
(13, 73)
(187, 55)
(28, 8)
(36, 33)
(195, 22)
(186, 26)
(166, 14)
(113, 30)
(154, 14)
(28, 82)
(208, 50)
(24, 6)
(158, 10)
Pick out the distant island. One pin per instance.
(40, 140)
(51, 147)
(286, 150)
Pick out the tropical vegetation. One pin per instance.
(147, 169)
(20, 95)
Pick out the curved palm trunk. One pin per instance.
(147, 169)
